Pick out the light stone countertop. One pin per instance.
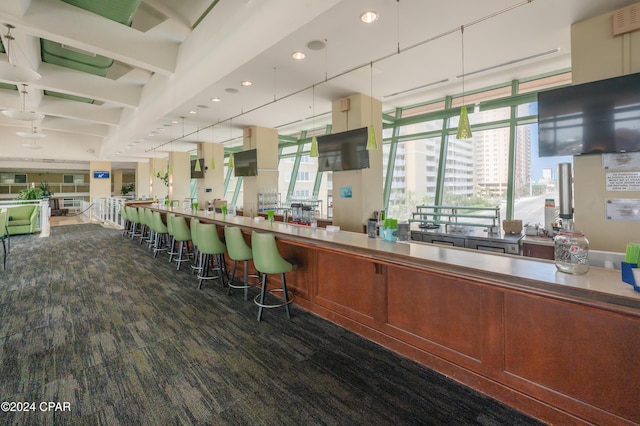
(598, 285)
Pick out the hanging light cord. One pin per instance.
(462, 37)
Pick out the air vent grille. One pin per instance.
(626, 20)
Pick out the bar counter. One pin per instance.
(560, 347)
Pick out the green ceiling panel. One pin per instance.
(117, 10)
(54, 53)
(70, 97)
(121, 11)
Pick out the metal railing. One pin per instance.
(107, 209)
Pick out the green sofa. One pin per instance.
(23, 219)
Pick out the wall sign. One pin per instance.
(101, 175)
(345, 192)
(623, 181)
(621, 161)
(623, 210)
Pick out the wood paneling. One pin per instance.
(347, 284)
(429, 306)
(588, 354)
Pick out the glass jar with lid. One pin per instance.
(571, 252)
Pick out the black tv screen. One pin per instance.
(245, 163)
(591, 118)
(343, 151)
(197, 174)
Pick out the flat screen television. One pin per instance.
(245, 163)
(195, 174)
(591, 118)
(343, 151)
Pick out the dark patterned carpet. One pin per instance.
(90, 320)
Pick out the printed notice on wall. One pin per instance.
(623, 210)
(623, 181)
(621, 161)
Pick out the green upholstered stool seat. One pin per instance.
(267, 260)
(238, 251)
(161, 233)
(210, 250)
(181, 234)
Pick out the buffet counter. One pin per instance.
(560, 347)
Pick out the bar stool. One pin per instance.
(125, 219)
(144, 226)
(151, 226)
(267, 260)
(193, 225)
(132, 214)
(238, 250)
(172, 241)
(3, 236)
(161, 233)
(210, 248)
(182, 234)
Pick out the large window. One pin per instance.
(424, 163)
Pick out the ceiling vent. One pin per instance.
(626, 20)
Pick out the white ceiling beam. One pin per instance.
(77, 83)
(58, 107)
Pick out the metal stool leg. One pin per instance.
(263, 292)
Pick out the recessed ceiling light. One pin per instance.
(298, 55)
(193, 111)
(231, 90)
(369, 17)
(215, 99)
(246, 83)
(174, 121)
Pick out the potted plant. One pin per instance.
(30, 193)
(126, 189)
(46, 191)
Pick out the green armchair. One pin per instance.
(23, 219)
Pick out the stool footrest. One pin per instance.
(243, 285)
(256, 299)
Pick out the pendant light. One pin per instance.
(9, 71)
(314, 141)
(22, 114)
(372, 141)
(197, 167)
(464, 128)
(33, 134)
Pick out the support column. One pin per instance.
(265, 140)
(117, 182)
(179, 176)
(99, 187)
(157, 188)
(143, 183)
(212, 186)
(366, 185)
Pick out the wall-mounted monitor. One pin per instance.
(343, 151)
(245, 163)
(590, 118)
(197, 174)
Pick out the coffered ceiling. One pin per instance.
(126, 80)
